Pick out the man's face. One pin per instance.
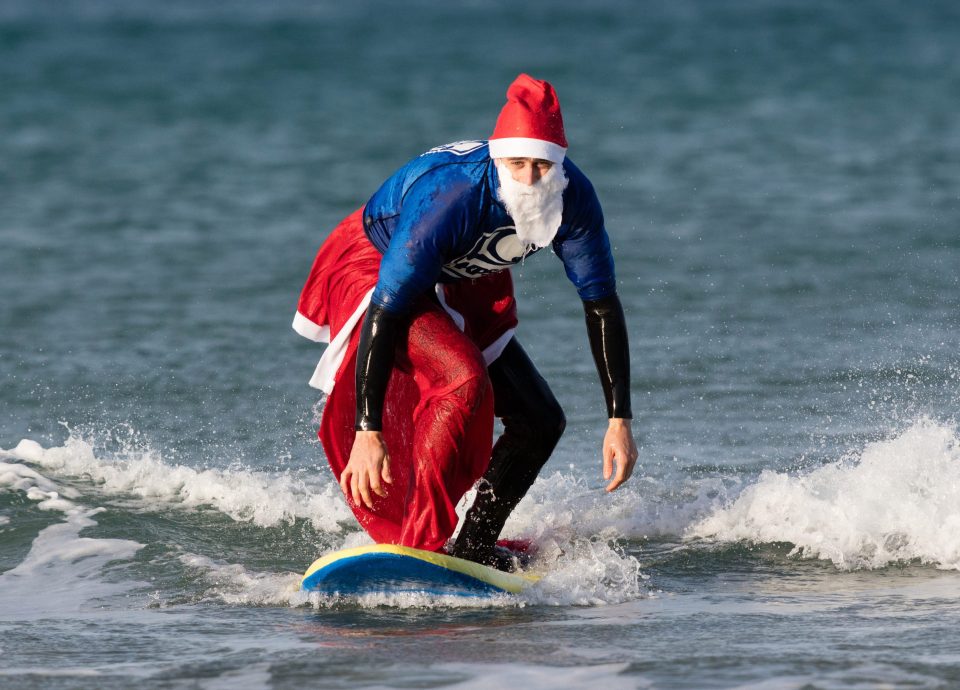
(526, 171)
(531, 190)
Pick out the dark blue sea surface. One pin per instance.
(780, 184)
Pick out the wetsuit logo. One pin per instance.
(458, 148)
(493, 252)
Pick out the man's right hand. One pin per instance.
(367, 470)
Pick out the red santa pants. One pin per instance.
(438, 413)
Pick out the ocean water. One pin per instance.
(780, 182)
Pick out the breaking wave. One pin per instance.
(897, 500)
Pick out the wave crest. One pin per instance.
(898, 501)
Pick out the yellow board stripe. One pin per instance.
(510, 582)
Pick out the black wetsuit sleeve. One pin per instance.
(607, 330)
(375, 354)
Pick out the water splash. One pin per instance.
(62, 572)
(262, 498)
(578, 528)
(898, 500)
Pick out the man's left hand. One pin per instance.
(618, 449)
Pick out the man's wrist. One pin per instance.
(619, 422)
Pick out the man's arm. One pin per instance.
(423, 237)
(607, 331)
(369, 465)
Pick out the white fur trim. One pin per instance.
(329, 364)
(454, 314)
(309, 330)
(495, 349)
(492, 351)
(523, 147)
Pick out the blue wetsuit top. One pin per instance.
(438, 219)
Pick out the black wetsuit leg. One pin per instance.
(533, 422)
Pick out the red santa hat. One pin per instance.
(530, 124)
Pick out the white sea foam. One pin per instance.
(61, 572)
(582, 572)
(231, 583)
(263, 498)
(590, 572)
(576, 526)
(585, 572)
(561, 505)
(897, 500)
(417, 600)
(17, 477)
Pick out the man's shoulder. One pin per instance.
(579, 197)
(461, 151)
(455, 175)
(462, 157)
(576, 178)
(455, 169)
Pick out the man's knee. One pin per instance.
(543, 423)
(553, 422)
(442, 359)
(469, 369)
(466, 378)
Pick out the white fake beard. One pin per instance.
(537, 209)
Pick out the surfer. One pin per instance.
(413, 292)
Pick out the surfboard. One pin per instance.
(390, 569)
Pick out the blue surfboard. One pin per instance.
(389, 569)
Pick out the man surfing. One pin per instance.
(414, 294)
